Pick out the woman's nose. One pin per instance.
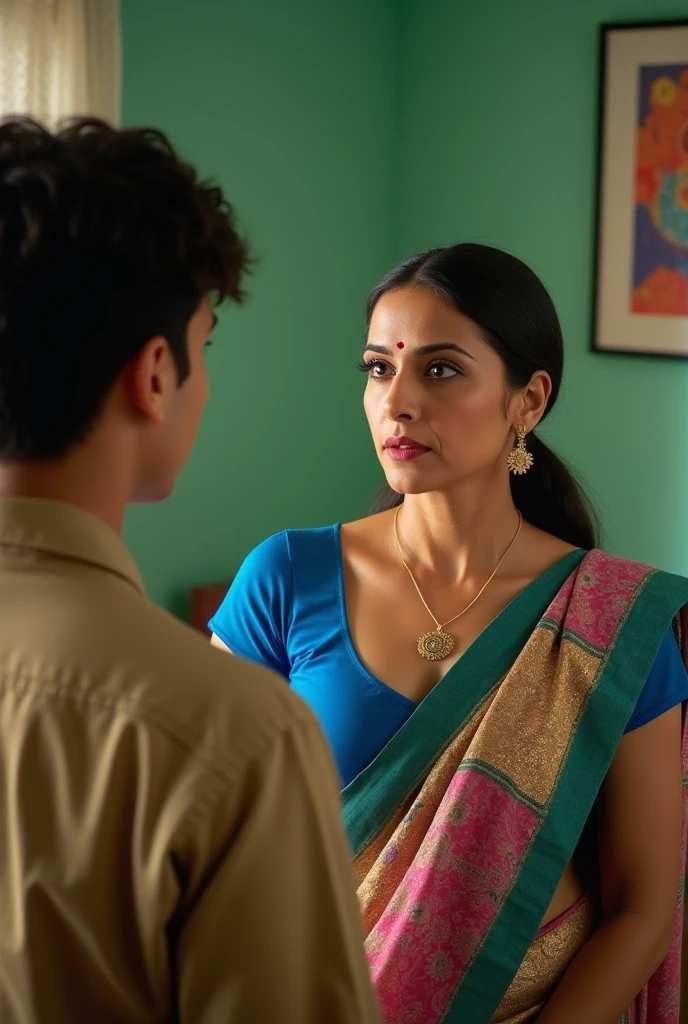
(401, 400)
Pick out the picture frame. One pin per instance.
(640, 292)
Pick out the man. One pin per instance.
(170, 844)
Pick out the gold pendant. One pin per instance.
(436, 645)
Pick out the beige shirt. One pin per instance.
(170, 842)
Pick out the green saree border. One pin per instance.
(372, 797)
(490, 772)
(612, 701)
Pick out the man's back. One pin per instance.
(169, 840)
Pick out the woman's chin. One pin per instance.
(409, 482)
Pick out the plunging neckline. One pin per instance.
(485, 632)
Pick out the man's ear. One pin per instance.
(151, 379)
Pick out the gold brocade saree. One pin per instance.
(464, 823)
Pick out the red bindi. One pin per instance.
(400, 344)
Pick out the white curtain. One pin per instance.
(60, 58)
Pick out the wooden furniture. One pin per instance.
(204, 603)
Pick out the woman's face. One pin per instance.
(436, 399)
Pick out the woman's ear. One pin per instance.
(533, 400)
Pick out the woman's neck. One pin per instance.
(457, 535)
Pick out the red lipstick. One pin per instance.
(402, 449)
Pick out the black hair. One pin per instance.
(106, 239)
(517, 318)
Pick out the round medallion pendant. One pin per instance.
(436, 645)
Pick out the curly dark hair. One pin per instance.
(106, 239)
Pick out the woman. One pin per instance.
(503, 699)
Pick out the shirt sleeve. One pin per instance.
(253, 619)
(665, 687)
(276, 934)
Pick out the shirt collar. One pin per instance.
(66, 531)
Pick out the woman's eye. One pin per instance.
(442, 371)
(375, 368)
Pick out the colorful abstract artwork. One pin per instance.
(660, 250)
(640, 304)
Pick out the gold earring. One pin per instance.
(520, 459)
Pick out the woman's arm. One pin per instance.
(252, 621)
(640, 842)
(220, 644)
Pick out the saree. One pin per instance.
(465, 822)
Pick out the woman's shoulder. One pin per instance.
(602, 561)
(598, 561)
(537, 553)
(369, 530)
(611, 584)
(283, 567)
(276, 554)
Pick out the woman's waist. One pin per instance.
(546, 960)
(568, 892)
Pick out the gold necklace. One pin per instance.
(438, 645)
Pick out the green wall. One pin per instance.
(348, 135)
(291, 106)
(498, 145)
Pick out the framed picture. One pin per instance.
(641, 265)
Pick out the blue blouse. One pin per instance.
(286, 610)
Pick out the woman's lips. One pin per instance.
(403, 449)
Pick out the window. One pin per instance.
(60, 58)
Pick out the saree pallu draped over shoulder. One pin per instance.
(463, 825)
